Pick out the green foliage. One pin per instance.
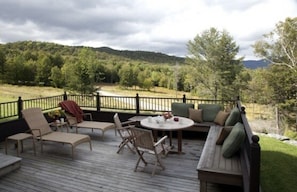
(80, 68)
(146, 56)
(215, 68)
(258, 89)
(279, 46)
(57, 78)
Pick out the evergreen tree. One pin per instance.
(213, 55)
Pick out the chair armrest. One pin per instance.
(39, 131)
(161, 140)
(128, 123)
(126, 127)
(72, 121)
(89, 115)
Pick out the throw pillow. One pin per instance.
(234, 140)
(221, 118)
(210, 111)
(233, 118)
(195, 115)
(223, 135)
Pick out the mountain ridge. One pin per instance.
(146, 56)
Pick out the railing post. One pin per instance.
(20, 107)
(98, 101)
(65, 96)
(137, 104)
(184, 98)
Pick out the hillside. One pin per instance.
(106, 52)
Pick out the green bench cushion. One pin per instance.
(233, 118)
(181, 109)
(209, 111)
(234, 140)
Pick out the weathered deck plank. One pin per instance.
(103, 169)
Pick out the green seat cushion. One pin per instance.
(234, 140)
(209, 111)
(181, 109)
(233, 118)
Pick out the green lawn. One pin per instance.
(278, 165)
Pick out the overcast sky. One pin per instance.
(149, 25)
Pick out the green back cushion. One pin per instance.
(233, 118)
(234, 140)
(209, 111)
(181, 109)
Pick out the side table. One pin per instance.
(19, 137)
(60, 125)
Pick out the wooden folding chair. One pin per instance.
(144, 143)
(125, 134)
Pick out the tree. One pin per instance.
(213, 55)
(280, 46)
(43, 70)
(127, 75)
(2, 62)
(57, 77)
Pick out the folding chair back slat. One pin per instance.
(144, 139)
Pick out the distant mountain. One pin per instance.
(153, 57)
(253, 64)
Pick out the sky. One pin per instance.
(164, 26)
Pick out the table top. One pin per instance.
(58, 124)
(159, 123)
(137, 118)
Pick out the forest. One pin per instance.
(211, 69)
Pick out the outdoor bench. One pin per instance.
(241, 169)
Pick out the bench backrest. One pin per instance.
(250, 156)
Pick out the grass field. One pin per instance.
(12, 92)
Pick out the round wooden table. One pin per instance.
(159, 124)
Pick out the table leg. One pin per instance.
(179, 141)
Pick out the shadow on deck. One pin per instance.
(103, 169)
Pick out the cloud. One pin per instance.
(150, 25)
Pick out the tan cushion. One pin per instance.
(223, 135)
(195, 115)
(221, 118)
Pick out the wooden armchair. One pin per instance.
(125, 134)
(144, 143)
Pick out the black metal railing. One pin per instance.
(99, 102)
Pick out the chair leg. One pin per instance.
(123, 143)
(131, 148)
(34, 148)
(41, 146)
(140, 158)
(90, 145)
(121, 146)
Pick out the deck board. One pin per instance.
(103, 169)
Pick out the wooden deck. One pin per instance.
(103, 169)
